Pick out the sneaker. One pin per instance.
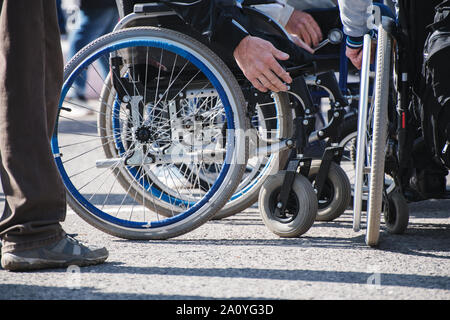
(66, 252)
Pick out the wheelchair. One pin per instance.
(177, 136)
(381, 135)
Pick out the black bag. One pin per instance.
(431, 152)
(425, 174)
(436, 91)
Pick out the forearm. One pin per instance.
(354, 16)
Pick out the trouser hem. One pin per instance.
(8, 246)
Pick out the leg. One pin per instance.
(92, 24)
(101, 22)
(78, 38)
(30, 84)
(35, 197)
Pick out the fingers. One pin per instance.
(314, 31)
(257, 84)
(305, 36)
(273, 82)
(301, 44)
(357, 62)
(268, 83)
(267, 80)
(274, 73)
(257, 58)
(355, 56)
(270, 74)
(310, 34)
(305, 27)
(280, 55)
(315, 38)
(279, 71)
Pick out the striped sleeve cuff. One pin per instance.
(354, 42)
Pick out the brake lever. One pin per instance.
(335, 36)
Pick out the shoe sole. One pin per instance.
(14, 263)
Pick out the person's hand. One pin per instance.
(257, 58)
(355, 56)
(299, 42)
(304, 26)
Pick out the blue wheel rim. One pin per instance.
(230, 125)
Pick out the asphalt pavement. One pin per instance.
(239, 258)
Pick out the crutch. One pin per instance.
(362, 134)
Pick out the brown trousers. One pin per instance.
(31, 71)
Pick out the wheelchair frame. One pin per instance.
(305, 122)
(304, 128)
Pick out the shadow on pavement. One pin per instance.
(34, 292)
(20, 291)
(348, 277)
(303, 242)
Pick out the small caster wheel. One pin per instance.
(336, 193)
(301, 209)
(396, 213)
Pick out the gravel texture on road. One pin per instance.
(239, 258)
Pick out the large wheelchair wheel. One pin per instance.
(384, 74)
(175, 103)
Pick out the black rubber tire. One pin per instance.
(303, 202)
(379, 137)
(396, 213)
(336, 193)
